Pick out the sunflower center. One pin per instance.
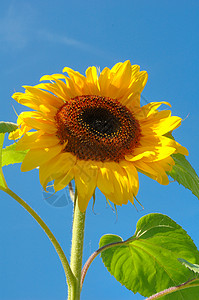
(97, 128)
(101, 121)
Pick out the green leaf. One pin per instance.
(184, 174)
(11, 156)
(1, 146)
(148, 262)
(7, 127)
(187, 264)
(2, 179)
(4, 156)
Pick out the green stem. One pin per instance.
(68, 272)
(77, 250)
(2, 178)
(93, 256)
(173, 289)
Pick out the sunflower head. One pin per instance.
(93, 129)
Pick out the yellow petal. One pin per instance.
(27, 99)
(161, 153)
(135, 69)
(104, 81)
(41, 124)
(35, 140)
(28, 139)
(60, 87)
(58, 166)
(160, 126)
(145, 168)
(19, 132)
(146, 110)
(63, 180)
(156, 170)
(133, 180)
(54, 89)
(35, 158)
(115, 68)
(86, 181)
(119, 81)
(104, 182)
(138, 83)
(162, 177)
(114, 183)
(91, 74)
(120, 183)
(122, 76)
(78, 79)
(143, 153)
(57, 76)
(165, 141)
(92, 79)
(23, 127)
(44, 96)
(131, 98)
(158, 149)
(155, 142)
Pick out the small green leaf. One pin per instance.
(7, 127)
(148, 262)
(2, 179)
(1, 146)
(4, 128)
(11, 156)
(187, 264)
(184, 174)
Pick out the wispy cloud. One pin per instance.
(68, 41)
(19, 28)
(61, 39)
(14, 26)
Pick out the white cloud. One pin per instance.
(67, 41)
(19, 28)
(14, 26)
(54, 38)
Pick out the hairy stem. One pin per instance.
(77, 249)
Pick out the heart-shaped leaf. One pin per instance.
(148, 262)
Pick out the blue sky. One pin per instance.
(42, 37)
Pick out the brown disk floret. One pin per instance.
(97, 128)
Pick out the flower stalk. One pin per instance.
(77, 250)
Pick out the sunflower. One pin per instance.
(93, 129)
